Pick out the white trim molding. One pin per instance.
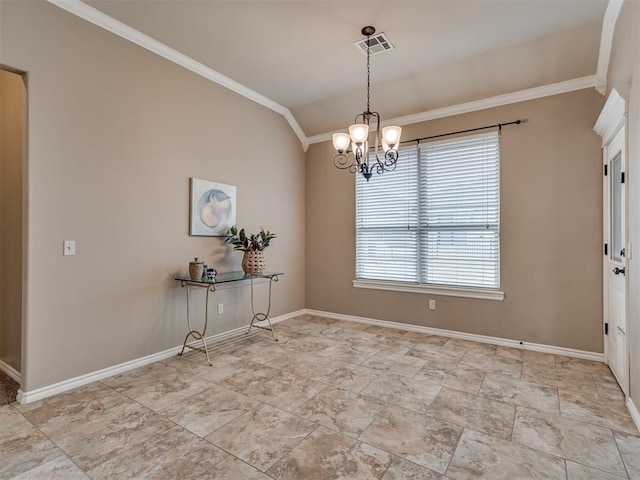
(92, 15)
(482, 104)
(635, 415)
(65, 385)
(12, 372)
(606, 42)
(611, 118)
(100, 19)
(505, 342)
(478, 293)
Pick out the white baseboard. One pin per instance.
(634, 412)
(12, 372)
(505, 342)
(65, 385)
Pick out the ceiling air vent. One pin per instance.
(378, 43)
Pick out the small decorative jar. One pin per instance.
(196, 269)
(211, 273)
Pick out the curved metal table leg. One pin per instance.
(192, 332)
(261, 316)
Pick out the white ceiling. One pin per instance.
(301, 53)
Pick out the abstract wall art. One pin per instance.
(213, 208)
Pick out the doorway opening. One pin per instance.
(13, 127)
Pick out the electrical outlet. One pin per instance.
(220, 308)
(432, 304)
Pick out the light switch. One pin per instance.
(69, 247)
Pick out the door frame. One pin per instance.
(611, 122)
(18, 374)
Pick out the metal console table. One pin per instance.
(210, 286)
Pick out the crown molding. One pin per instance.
(611, 118)
(100, 19)
(491, 102)
(92, 15)
(606, 42)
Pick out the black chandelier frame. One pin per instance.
(360, 162)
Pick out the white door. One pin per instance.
(615, 264)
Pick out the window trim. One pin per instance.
(465, 292)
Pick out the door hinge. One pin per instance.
(606, 249)
(622, 177)
(605, 170)
(606, 329)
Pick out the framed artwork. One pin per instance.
(212, 208)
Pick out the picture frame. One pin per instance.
(212, 208)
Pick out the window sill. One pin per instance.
(431, 289)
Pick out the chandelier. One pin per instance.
(357, 159)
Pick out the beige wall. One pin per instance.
(12, 118)
(115, 132)
(551, 231)
(624, 76)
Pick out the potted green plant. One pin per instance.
(253, 246)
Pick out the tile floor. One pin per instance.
(333, 400)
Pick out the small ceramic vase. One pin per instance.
(196, 269)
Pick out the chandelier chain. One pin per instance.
(368, 74)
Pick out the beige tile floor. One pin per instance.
(333, 400)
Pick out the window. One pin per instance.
(435, 220)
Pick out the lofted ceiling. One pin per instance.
(300, 54)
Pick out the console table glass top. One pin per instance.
(228, 277)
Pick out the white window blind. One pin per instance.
(387, 221)
(435, 220)
(460, 212)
